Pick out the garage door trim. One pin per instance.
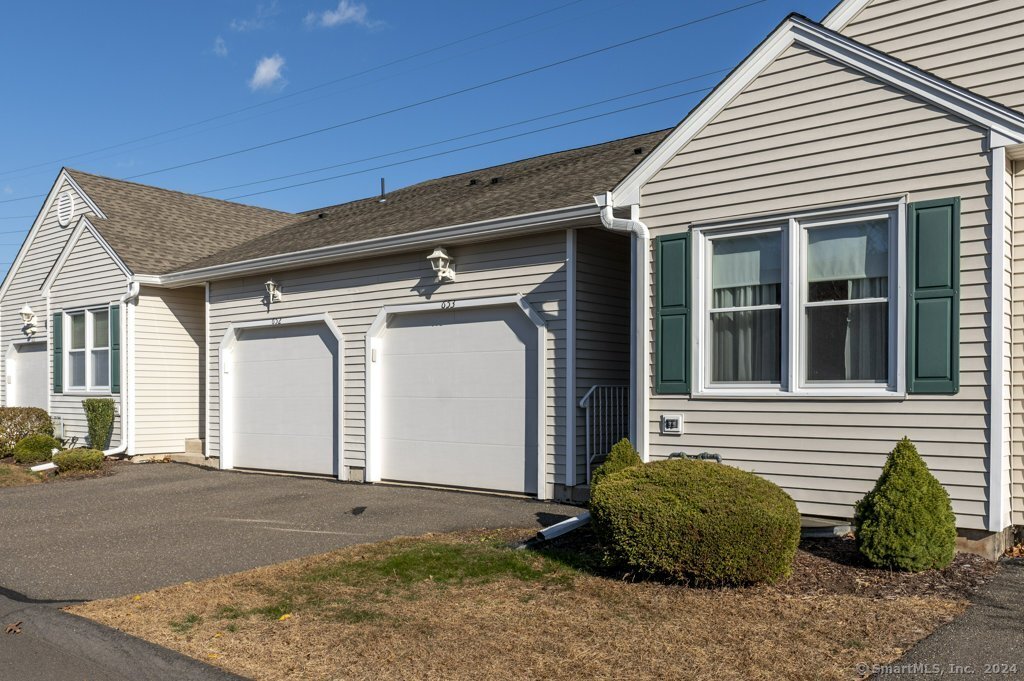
(227, 344)
(374, 347)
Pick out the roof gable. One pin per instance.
(1005, 125)
(83, 228)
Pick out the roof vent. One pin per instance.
(321, 216)
(638, 151)
(383, 198)
(65, 208)
(495, 180)
(473, 182)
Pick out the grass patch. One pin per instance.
(186, 623)
(466, 606)
(16, 476)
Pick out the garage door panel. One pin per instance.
(459, 399)
(31, 382)
(284, 452)
(480, 467)
(284, 399)
(470, 375)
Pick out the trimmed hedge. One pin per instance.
(698, 522)
(906, 522)
(35, 448)
(622, 456)
(78, 460)
(17, 423)
(100, 413)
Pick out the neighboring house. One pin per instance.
(820, 259)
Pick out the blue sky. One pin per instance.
(82, 77)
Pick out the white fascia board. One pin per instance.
(1008, 124)
(51, 196)
(382, 245)
(843, 13)
(83, 224)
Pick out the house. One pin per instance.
(821, 258)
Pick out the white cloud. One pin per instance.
(267, 73)
(264, 13)
(220, 48)
(347, 12)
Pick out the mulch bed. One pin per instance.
(110, 467)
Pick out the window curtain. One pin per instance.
(746, 272)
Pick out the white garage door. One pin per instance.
(29, 381)
(459, 399)
(284, 396)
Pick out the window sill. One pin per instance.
(78, 392)
(832, 395)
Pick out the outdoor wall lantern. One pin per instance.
(442, 264)
(29, 319)
(273, 291)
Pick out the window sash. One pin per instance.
(794, 307)
(88, 354)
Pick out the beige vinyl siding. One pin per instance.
(1017, 352)
(24, 286)
(602, 320)
(977, 44)
(90, 278)
(354, 292)
(169, 371)
(810, 132)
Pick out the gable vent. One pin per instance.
(65, 208)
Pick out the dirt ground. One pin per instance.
(468, 606)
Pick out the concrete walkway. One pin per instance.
(987, 641)
(55, 645)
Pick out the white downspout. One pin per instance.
(639, 373)
(127, 398)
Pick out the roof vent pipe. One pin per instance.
(382, 199)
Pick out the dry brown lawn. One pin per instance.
(466, 606)
(16, 476)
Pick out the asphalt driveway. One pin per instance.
(153, 525)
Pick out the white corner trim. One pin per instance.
(81, 227)
(206, 370)
(225, 348)
(998, 477)
(374, 344)
(922, 85)
(570, 358)
(843, 13)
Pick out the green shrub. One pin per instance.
(100, 414)
(35, 448)
(16, 423)
(622, 456)
(78, 460)
(698, 522)
(906, 522)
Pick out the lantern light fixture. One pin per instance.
(28, 317)
(442, 263)
(273, 291)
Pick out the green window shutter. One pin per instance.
(115, 349)
(57, 342)
(672, 317)
(933, 314)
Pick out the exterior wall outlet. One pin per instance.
(671, 424)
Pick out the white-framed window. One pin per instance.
(87, 359)
(801, 305)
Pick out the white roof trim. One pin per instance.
(964, 104)
(83, 225)
(43, 212)
(843, 13)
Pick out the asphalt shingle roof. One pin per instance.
(157, 231)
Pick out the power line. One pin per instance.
(296, 93)
(471, 146)
(447, 95)
(468, 135)
(16, 217)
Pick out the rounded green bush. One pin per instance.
(906, 522)
(79, 460)
(698, 522)
(622, 456)
(17, 423)
(35, 448)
